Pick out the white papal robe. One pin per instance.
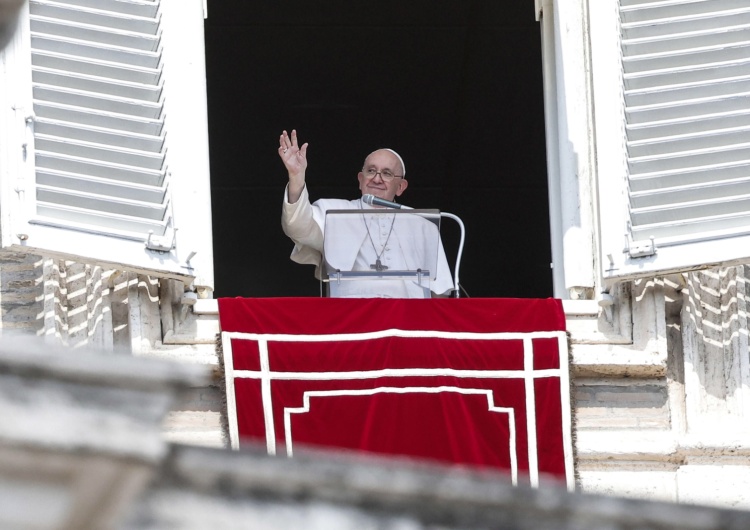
(391, 239)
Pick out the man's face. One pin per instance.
(380, 162)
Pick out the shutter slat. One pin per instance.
(125, 7)
(696, 127)
(649, 81)
(103, 153)
(96, 118)
(72, 164)
(687, 110)
(706, 39)
(709, 91)
(689, 59)
(100, 186)
(52, 44)
(695, 176)
(44, 77)
(78, 98)
(668, 28)
(94, 34)
(125, 74)
(695, 159)
(100, 203)
(87, 219)
(685, 194)
(679, 212)
(685, 230)
(699, 141)
(95, 17)
(141, 142)
(655, 11)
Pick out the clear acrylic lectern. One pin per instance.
(377, 252)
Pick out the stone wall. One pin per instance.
(665, 415)
(84, 306)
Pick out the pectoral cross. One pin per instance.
(378, 266)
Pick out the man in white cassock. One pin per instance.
(379, 243)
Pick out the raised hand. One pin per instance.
(293, 156)
(295, 161)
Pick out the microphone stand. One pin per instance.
(460, 250)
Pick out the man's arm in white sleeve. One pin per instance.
(298, 222)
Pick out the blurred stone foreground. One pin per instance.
(81, 446)
(8, 18)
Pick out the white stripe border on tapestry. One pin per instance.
(401, 333)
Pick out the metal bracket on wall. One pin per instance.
(161, 243)
(640, 249)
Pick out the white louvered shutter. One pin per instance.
(672, 103)
(101, 182)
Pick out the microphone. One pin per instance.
(377, 201)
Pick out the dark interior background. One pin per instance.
(455, 86)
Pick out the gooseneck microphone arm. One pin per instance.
(456, 285)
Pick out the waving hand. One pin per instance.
(295, 161)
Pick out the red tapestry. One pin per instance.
(481, 382)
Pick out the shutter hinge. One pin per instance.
(640, 249)
(28, 136)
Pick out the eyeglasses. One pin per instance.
(385, 174)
